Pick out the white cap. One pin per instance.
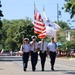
(34, 37)
(26, 39)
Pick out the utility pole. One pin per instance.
(57, 13)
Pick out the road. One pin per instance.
(62, 67)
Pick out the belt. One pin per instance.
(34, 51)
(26, 52)
(53, 51)
(43, 51)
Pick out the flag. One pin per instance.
(39, 26)
(50, 23)
(51, 32)
(38, 22)
(51, 28)
(43, 33)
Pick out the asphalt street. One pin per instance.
(62, 67)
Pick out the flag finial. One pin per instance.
(43, 8)
(34, 6)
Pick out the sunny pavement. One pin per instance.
(62, 67)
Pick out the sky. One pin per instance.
(20, 9)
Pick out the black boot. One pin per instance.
(42, 69)
(24, 69)
(52, 68)
(33, 69)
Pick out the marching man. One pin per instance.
(53, 49)
(25, 53)
(43, 52)
(34, 54)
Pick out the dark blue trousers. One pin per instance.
(34, 59)
(25, 58)
(43, 58)
(52, 57)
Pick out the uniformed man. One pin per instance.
(52, 47)
(25, 53)
(43, 52)
(34, 54)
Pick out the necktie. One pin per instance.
(42, 47)
(34, 47)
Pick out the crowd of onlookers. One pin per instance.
(61, 53)
(68, 53)
(11, 53)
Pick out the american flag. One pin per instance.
(38, 22)
(43, 33)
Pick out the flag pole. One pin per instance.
(44, 12)
(22, 39)
(34, 10)
(56, 36)
(34, 6)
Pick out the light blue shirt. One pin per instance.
(32, 47)
(52, 46)
(26, 47)
(44, 44)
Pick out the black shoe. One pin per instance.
(52, 69)
(42, 69)
(24, 69)
(33, 69)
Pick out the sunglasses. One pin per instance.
(25, 40)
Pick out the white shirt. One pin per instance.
(42, 45)
(26, 47)
(32, 46)
(52, 46)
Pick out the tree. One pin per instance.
(61, 34)
(12, 32)
(70, 7)
(6, 24)
(1, 15)
(0, 24)
(63, 25)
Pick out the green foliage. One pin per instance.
(73, 33)
(12, 31)
(0, 24)
(70, 7)
(67, 45)
(1, 15)
(63, 25)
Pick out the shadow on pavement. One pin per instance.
(71, 72)
(39, 71)
(66, 71)
(1, 69)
